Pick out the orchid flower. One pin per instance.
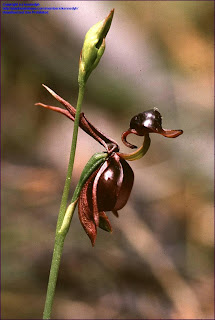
(108, 186)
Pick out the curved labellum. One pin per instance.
(149, 121)
(107, 189)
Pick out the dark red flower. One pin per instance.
(107, 189)
(146, 122)
(109, 186)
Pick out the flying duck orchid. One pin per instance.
(108, 182)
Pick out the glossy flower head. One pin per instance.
(107, 189)
(146, 122)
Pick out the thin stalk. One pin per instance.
(60, 237)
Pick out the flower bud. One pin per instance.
(93, 48)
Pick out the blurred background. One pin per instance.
(158, 262)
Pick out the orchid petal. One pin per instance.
(126, 186)
(94, 193)
(104, 222)
(85, 210)
(109, 184)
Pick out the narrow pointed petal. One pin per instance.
(65, 103)
(126, 186)
(115, 213)
(60, 110)
(88, 225)
(170, 133)
(94, 193)
(85, 211)
(97, 134)
(84, 124)
(104, 222)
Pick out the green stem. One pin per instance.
(72, 158)
(60, 236)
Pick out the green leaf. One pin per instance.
(95, 161)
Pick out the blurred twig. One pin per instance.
(146, 245)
